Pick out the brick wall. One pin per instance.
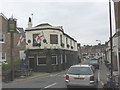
(6, 46)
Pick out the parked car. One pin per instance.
(81, 76)
(95, 63)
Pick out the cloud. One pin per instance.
(84, 21)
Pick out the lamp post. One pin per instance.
(110, 36)
(100, 48)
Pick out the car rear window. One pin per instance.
(80, 71)
(93, 61)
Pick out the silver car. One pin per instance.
(82, 76)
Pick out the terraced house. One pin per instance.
(5, 41)
(55, 51)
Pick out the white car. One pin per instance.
(81, 76)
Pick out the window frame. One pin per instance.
(56, 59)
(2, 56)
(35, 41)
(51, 41)
(38, 61)
(3, 35)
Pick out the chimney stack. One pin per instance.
(29, 23)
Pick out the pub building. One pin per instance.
(49, 49)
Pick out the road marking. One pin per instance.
(102, 83)
(54, 75)
(50, 85)
(98, 76)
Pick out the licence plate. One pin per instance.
(78, 78)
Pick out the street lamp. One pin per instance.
(100, 48)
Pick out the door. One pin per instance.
(31, 62)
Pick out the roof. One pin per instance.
(81, 65)
(50, 27)
(44, 24)
(1, 14)
(21, 31)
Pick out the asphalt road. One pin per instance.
(51, 81)
(54, 80)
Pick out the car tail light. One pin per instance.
(67, 77)
(92, 78)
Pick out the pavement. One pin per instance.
(102, 74)
(23, 78)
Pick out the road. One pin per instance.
(54, 80)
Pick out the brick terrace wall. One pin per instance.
(6, 46)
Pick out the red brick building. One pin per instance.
(5, 40)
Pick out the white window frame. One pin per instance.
(56, 59)
(3, 38)
(5, 56)
(42, 57)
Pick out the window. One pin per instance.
(54, 59)
(2, 38)
(34, 41)
(61, 59)
(71, 42)
(66, 41)
(80, 71)
(53, 39)
(61, 39)
(3, 55)
(41, 60)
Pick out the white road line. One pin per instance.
(102, 83)
(98, 76)
(50, 85)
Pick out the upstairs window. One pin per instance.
(2, 38)
(53, 39)
(61, 39)
(66, 40)
(34, 41)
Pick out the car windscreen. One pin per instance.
(80, 71)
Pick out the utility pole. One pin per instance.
(110, 37)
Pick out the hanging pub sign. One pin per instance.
(11, 25)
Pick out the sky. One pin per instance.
(84, 20)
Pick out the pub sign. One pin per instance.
(11, 25)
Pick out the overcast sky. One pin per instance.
(84, 20)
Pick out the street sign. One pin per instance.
(11, 25)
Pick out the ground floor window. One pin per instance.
(65, 58)
(54, 59)
(41, 60)
(3, 56)
(61, 59)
